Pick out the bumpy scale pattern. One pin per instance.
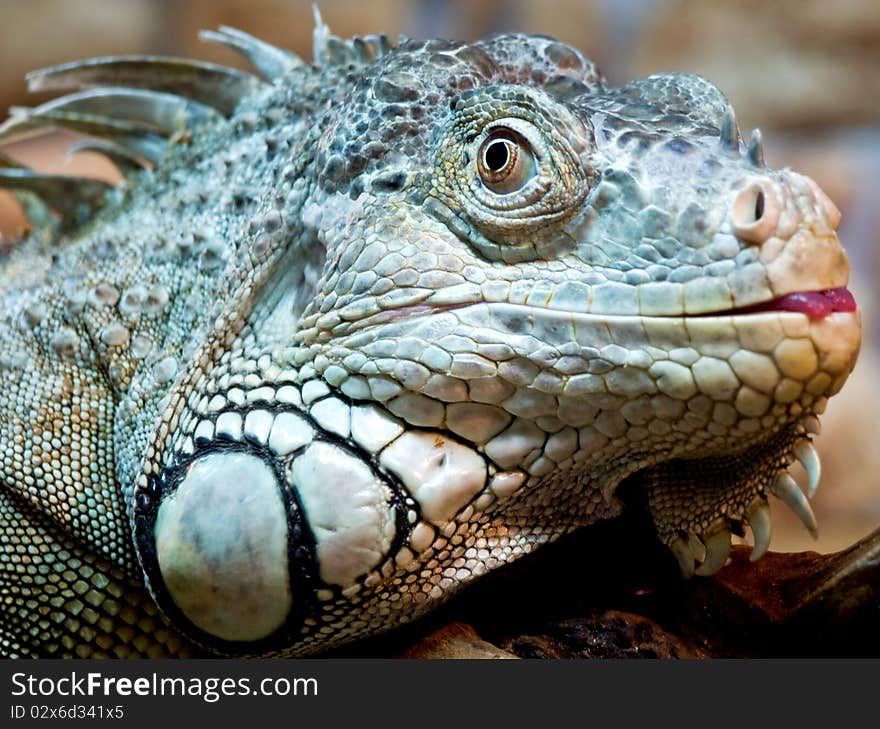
(61, 600)
(326, 360)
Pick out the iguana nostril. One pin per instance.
(755, 213)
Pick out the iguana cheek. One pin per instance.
(221, 544)
(261, 517)
(349, 510)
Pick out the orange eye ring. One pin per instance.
(505, 161)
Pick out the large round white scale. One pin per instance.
(221, 543)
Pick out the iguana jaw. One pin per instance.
(717, 391)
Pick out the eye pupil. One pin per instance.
(497, 156)
(505, 161)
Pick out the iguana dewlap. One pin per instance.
(355, 333)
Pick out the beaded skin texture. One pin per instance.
(355, 332)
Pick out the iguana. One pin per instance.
(356, 332)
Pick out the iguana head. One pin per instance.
(500, 289)
(581, 281)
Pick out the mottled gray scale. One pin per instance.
(676, 103)
(537, 59)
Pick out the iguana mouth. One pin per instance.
(815, 304)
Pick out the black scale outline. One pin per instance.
(304, 582)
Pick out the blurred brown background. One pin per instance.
(806, 71)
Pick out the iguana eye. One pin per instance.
(505, 161)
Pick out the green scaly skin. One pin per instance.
(337, 355)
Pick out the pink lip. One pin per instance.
(815, 304)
